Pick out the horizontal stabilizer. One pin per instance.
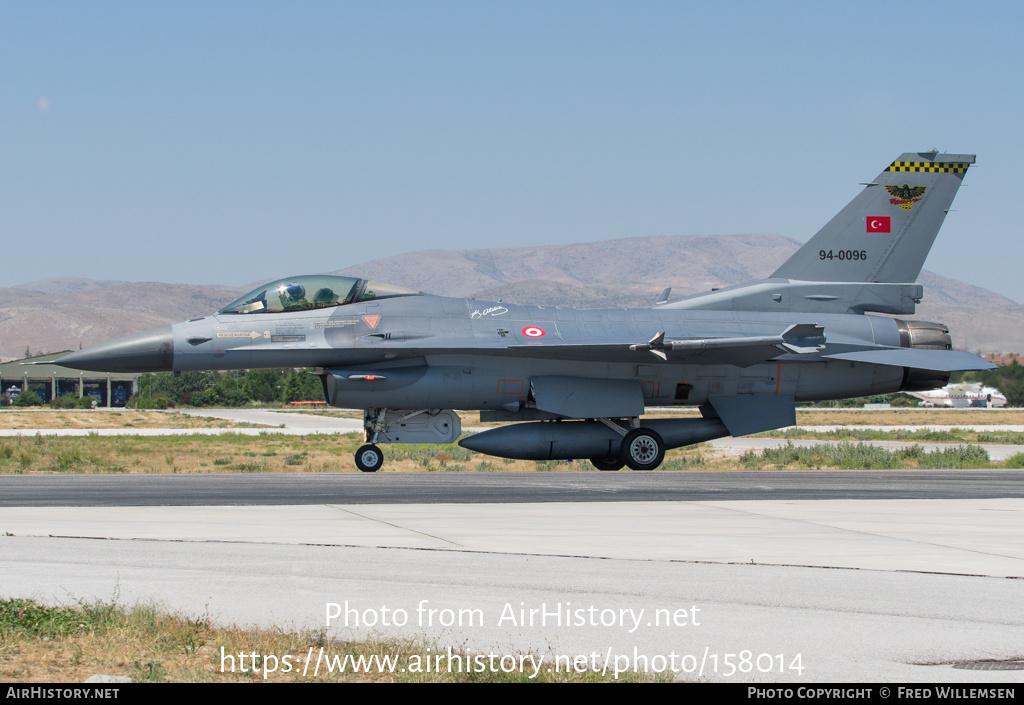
(937, 360)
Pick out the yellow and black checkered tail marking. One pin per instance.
(934, 167)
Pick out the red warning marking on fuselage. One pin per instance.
(371, 321)
(533, 332)
(510, 386)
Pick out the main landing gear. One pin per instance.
(641, 449)
(369, 458)
(612, 463)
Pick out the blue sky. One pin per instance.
(229, 142)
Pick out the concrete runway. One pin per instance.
(846, 590)
(777, 588)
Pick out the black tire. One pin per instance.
(611, 463)
(369, 458)
(643, 449)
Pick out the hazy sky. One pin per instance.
(227, 142)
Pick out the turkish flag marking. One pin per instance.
(879, 224)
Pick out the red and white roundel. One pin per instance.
(533, 332)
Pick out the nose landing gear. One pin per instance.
(369, 458)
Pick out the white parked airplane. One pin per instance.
(962, 395)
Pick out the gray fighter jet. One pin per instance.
(576, 382)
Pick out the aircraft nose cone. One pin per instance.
(151, 351)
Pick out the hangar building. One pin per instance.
(50, 381)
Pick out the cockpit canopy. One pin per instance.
(311, 292)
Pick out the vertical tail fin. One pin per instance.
(885, 233)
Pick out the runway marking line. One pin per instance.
(863, 533)
(388, 523)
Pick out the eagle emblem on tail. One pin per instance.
(905, 196)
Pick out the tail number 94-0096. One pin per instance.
(841, 255)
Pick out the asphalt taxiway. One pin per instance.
(502, 487)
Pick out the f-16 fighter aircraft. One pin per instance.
(575, 383)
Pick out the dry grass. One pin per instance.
(922, 434)
(102, 418)
(321, 411)
(234, 453)
(804, 416)
(910, 417)
(275, 453)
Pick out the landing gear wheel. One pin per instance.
(643, 449)
(612, 463)
(369, 458)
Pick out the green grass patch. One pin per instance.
(861, 456)
(66, 644)
(1015, 461)
(27, 618)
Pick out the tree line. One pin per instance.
(233, 388)
(1008, 379)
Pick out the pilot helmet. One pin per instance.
(292, 292)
